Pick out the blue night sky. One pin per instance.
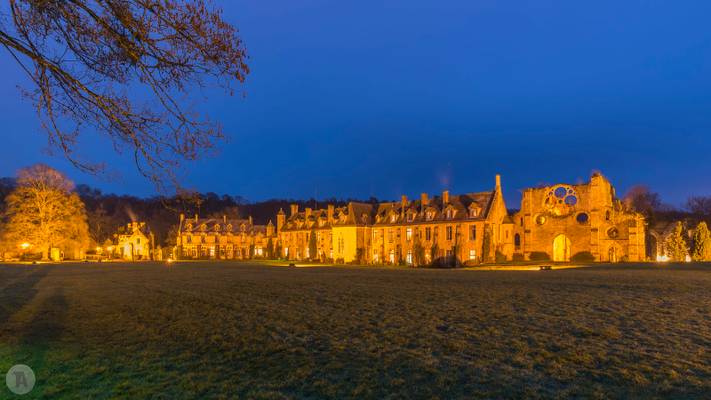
(353, 99)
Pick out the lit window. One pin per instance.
(472, 232)
(472, 254)
(448, 233)
(408, 233)
(428, 233)
(409, 257)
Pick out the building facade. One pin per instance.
(453, 229)
(566, 222)
(224, 239)
(134, 242)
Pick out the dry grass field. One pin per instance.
(253, 331)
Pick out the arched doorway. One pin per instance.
(612, 254)
(561, 248)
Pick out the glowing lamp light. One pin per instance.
(688, 258)
(25, 246)
(110, 248)
(662, 258)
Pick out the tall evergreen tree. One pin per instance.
(486, 244)
(702, 243)
(418, 251)
(313, 247)
(675, 245)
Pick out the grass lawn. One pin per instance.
(234, 330)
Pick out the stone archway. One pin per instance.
(612, 254)
(561, 248)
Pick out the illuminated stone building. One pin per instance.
(447, 229)
(222, 238)
(457, 228)
(296, 230)
(351, 233)
(340, 234)
(134, 242)
(564, 222)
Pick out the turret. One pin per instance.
(281, 218)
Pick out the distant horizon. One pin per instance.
(411, 196)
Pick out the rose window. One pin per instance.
(561, 200)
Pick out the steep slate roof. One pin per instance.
(229, 226)
(318, 219)
(359, 214)
(392, 213)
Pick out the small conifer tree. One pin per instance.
(702, 243)
(313, 248)
(676, 247)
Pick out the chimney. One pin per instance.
(445, 197)
(294, 209)
(307, 212)
(498, 182)
(403, 200)
(424, 201)
(250, 221)
(196, 218)
(224, 218)
(329, 214)
(182, 217)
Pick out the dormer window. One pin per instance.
(450, 213)
(203, 227)
(229, 227)
(189, 227)
(410, 217)
(429, 215)
(243, 227)
(474, 212)
(217, 227)
(393, 218)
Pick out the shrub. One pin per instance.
(583, 256)
(518, 257)
(540, 256)
(499, 257)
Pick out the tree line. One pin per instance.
(99, 215)
(44, 206)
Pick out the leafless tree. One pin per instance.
(125, 69)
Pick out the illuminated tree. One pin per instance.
(702, 243)
(44, 212)
(418, 251)
(675, 245)
(486, 244)
(270, 249)
(313, 247)
(125, 68)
